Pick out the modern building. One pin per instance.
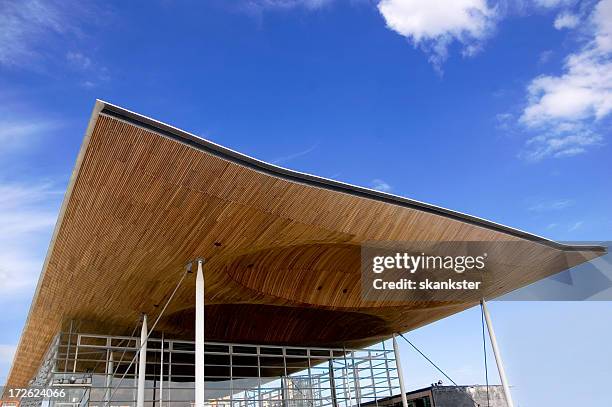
(181, 272)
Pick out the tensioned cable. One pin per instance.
(187, 270)
(126, 347)
(123, 354)
(120, 359)
(429, 360)
(484, 349)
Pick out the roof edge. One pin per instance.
(228, 154)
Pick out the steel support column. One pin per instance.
(498, 359)
(400, 374)
(199, 337)
(142, 363)
(110, 368)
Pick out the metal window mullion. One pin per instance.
(259, 402)
(310, 384)
(68, 347)
(347, 381)
(107, 371)
(161, 373)
(135, 379)
(284, 390)
(332, 381)
(387, 370)
(372, 377)
(170, 351)
(357, 382)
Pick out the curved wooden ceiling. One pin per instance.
(282, 248)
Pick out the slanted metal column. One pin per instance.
(332, 381)
(142, 363)
(400, 374)
(199, 337)
(498, 359)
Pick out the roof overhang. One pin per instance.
(282, 247)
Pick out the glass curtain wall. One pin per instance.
(101, 370)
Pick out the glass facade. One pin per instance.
(101, 370)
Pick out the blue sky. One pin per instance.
(498, 109)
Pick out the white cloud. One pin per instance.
(435, 24)
(602, 18)
(567, 110)
(566, 20)
(27, 216)
(380, 185)
(583, 91)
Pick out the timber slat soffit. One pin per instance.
(282, 247)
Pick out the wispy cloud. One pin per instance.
(285, 4)
(34, 35)
(504, 121)
(545, 56)
(568, 112)
(257, 8)
(566, 20)
(6, 358)
(293, 156)
(19, 132)
(561, 143)
(546, 206)
(6, 353)
(381, 185)
(27, 213)
(552, 3)
(24, 24)
(79, 60)
(575, 226)
(94, 73)
(23, 125)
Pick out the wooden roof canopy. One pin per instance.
(282, 247)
